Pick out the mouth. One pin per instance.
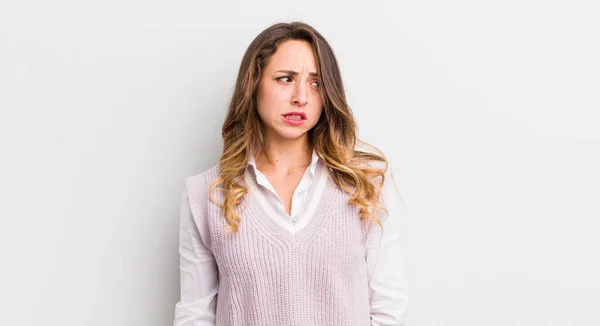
(294, 116)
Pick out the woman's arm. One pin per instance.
(199, 274)
(385, 262)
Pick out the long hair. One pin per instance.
(333, 137)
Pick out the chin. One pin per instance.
(296, 134)
(288, 133)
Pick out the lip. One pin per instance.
(293, 121)
(301, 114)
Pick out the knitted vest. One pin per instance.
(276, 271)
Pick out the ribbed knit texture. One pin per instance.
(272, 273)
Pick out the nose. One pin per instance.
(300, 96)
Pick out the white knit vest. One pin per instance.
(277, 271)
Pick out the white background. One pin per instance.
(489, 110)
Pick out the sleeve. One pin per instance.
(199, 274)
(388, 285)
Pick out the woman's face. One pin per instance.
(288, 98)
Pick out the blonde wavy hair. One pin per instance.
(333, 137)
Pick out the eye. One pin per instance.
(286, 79)
(315, 83)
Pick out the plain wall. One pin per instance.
(489, 112)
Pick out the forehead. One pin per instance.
(293, 55)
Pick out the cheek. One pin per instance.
(269, 99)
(262, 102)
(318, 108)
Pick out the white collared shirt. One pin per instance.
(300, 192)
(384, 257)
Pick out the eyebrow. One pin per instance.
(295, 73)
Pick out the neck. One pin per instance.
(283, 155)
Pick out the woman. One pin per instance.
(287, 228)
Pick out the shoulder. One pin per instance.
(197, 198)
(390, 186)
(208, 174)
(198, 185)
(372, 157)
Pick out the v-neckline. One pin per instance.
(274, 218)
(263, 181)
